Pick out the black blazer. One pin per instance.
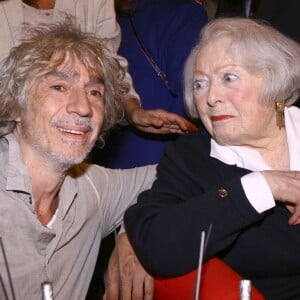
(193, 191)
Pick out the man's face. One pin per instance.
(63, 117)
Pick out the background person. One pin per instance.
(241, 177)
(283, 16)
(157, 36)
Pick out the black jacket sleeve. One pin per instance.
(192, 192)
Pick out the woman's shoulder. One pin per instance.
(198, 140)
(190, 145)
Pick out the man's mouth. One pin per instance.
(72, 131)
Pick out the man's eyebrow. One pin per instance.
(96, 80)
(72, 75)
(62, 74)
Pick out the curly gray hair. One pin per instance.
(42, 51)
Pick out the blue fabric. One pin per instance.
(168, 30)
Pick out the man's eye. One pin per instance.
(95, 93)
(199, 84)
(229, 77)
(58, 87)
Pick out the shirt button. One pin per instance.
(223, 193)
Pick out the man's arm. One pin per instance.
(126, 276)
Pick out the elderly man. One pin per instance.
(60, 91)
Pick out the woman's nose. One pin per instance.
(215, 95)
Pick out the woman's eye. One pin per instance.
(199, 84)
(58, 87)
(230, 77)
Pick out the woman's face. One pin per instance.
(226, 96)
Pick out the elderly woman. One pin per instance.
(239, 178)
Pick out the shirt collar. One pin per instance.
(18, 178)
(251, 159)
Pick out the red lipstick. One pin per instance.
(220, 118)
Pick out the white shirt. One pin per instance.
(255, 186)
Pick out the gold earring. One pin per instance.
(279, 107)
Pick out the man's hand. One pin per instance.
(135, 283)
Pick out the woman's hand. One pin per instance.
(295, 211)
(285, 187)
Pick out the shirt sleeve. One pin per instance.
(118, 189)
(258, 191)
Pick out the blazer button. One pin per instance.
(223, 193)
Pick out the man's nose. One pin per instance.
(79, 103)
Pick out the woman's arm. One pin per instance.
(192, 193)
